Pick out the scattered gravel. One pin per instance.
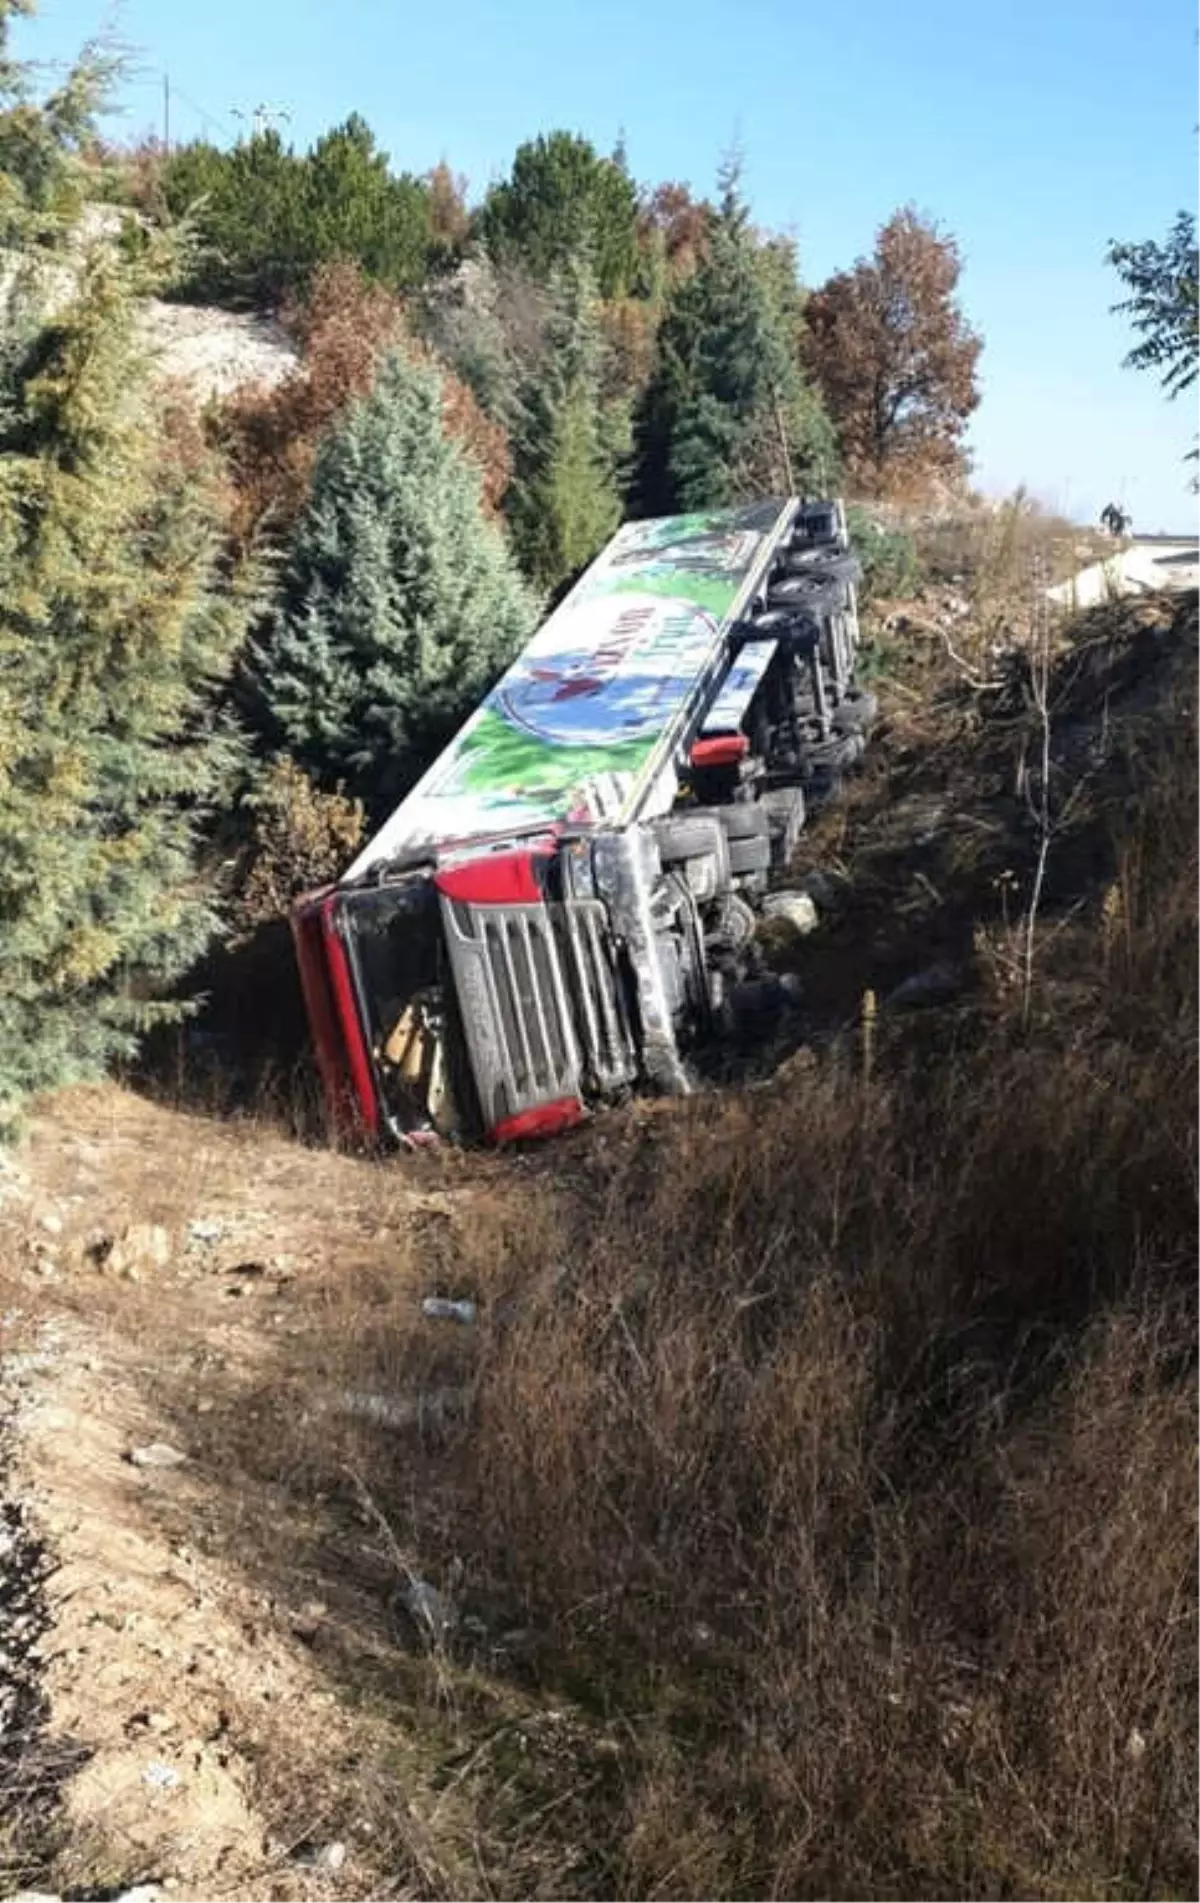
(33, 1768)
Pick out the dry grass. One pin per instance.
(985, 542)
(818, 1485)
(817, 1488)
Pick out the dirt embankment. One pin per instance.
(805, 1509)
(150, 1254)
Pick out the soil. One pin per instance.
(174, 1682)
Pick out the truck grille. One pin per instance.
(601, 1015)
(542, 1006)
(515, 1010)
(523, 962)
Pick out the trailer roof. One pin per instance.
(581, 724)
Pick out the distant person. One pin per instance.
(1116, 520)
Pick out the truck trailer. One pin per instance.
(561, 911)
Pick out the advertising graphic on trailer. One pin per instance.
(570, 731)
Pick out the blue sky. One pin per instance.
(1033, 132)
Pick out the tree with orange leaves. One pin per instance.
(345, 328)
(896, 359)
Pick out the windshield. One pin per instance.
(396, 949)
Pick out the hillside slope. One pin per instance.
(810, 1509)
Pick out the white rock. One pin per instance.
(143, 1245)
(796, 909)
(441, 1308)
(160, 1776)
(328, 1857)
(205, 1229)
(215, 352)
(158, 1453)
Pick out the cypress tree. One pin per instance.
(115, 628)
(399, 602)
(564, 502)
(727, 415)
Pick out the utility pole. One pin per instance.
(167, 113)
(260, 117)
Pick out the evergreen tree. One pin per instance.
(399, 602)
(42, 142)
(115, 628)
(267, 217)
(565, 501)
(356, 208)
(560, 196)
(727, 414)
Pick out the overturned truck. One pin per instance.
(564, 907)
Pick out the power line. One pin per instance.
(208, 118)
(260, 117)
(171, 91)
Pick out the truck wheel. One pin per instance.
(822, 565)
(856, 711)
(735, 926)
(696, 846)
(744, 819)
(834, 755)
(785, 622)
(819, 598)
(785, 814)
(747, 856)
(686, 836)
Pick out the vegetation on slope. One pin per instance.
(815, 1495)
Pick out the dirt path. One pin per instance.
(135, 1264)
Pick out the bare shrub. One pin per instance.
(345, 326)
(301, 838)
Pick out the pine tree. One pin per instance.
(115, 628)
(727, 415)
(560, 195)
(267, 217)
(565, 501)
(399, 602)
(117, 623)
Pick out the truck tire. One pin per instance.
(735, 926)
(837, 753)
(695, 846)
(686, 836)
(744, 819)
(856, 711)
(818, 597)
(820, 564)
(777, 621)
(749, 856)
